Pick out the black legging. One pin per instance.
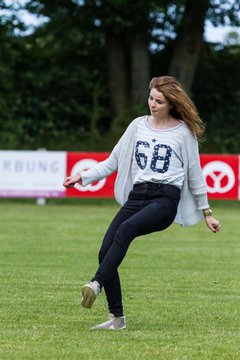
(150, 207)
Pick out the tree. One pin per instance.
(216, 92)
(125, 26)
(232, 38)
(189, 42)
(85, 71)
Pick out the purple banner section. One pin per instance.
(32, 194)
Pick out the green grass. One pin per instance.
(180, 287)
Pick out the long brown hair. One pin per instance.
(183, 107)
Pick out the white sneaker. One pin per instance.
(89, 292)
(114, 323)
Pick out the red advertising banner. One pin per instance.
(79, 161)
(222, 175)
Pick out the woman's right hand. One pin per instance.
(70, 181)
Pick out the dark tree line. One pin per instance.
(79, 78)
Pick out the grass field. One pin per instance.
(181, 287)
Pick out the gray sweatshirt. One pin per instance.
(193, 193)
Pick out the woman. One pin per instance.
(159, 181)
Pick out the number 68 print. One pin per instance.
(142, 158)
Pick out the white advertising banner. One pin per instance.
(32, 173)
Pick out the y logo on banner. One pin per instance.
(218, 171)
(82, 165)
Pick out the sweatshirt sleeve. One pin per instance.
(196, 181)
(110, 165)
(103, 168)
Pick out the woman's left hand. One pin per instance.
(213, 224)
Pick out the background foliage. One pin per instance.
(76, 81)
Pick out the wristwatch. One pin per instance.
(207, 212)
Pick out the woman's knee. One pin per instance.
(124, 235)
(106, 244)
(102, 253)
